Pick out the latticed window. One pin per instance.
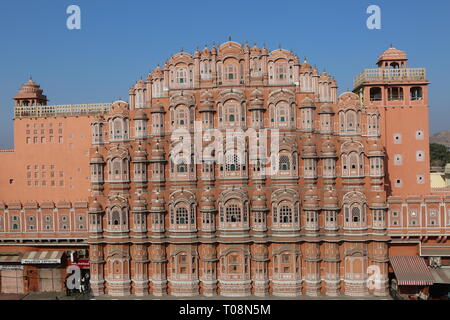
(181, 76)
(233, 213)
(281, 72)
(115, 218)
(285, 214)
(232, 162)
(231, 72)
(284, 162)
(356, 214)
(182, 115)
(182, 216)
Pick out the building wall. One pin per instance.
(47, 166)
(154, 227)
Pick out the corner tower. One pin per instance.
(401, 96)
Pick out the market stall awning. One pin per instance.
(441, 275)
(411, 270)
(42, 257)
(10, 257)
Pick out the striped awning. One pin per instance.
(10, 258)
(441, 275)
(42, 257)
(411, 271)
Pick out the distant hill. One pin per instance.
(442, 137)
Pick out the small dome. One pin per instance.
(140, 115)
(139, 153)
(95, 207)
(305, 66)
(309, 148)
(255, 51)
(206, 52)
(378, 201)
(139, 205)
(157, 108)
(392, 54)
(140, 84)
(157, 72)
(157, 202)
(157, 152)
(31, 90)
(259, 199)
(197, 53)
(97, 157)
(264, 51)
(374, 147)
(207, 201)
(330, 199)
(328, 147)
(307, 103)
(326, 108)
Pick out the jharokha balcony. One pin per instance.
(384, 75)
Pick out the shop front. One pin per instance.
(44, 270)
(438, 256)
(12, 279)
(412, 277)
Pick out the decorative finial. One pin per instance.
(391, 46)
(229, 38)
(279, 46)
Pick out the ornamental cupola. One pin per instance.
(259, 199)
(309, 148)
(30, 94)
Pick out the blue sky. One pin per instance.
(120, 41)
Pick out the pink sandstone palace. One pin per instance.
(347, 199)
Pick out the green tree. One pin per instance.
(439, 155)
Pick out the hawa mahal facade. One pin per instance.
(344, 188)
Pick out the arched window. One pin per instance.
(284, 162)
(416, 93)
(182, 216)
(233, 213)
(118, 128)
(375, 94)
(395, 93)
(351, 121)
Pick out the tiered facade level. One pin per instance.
(313, 217)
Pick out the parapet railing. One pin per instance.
(380, 74)
(66, 110)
